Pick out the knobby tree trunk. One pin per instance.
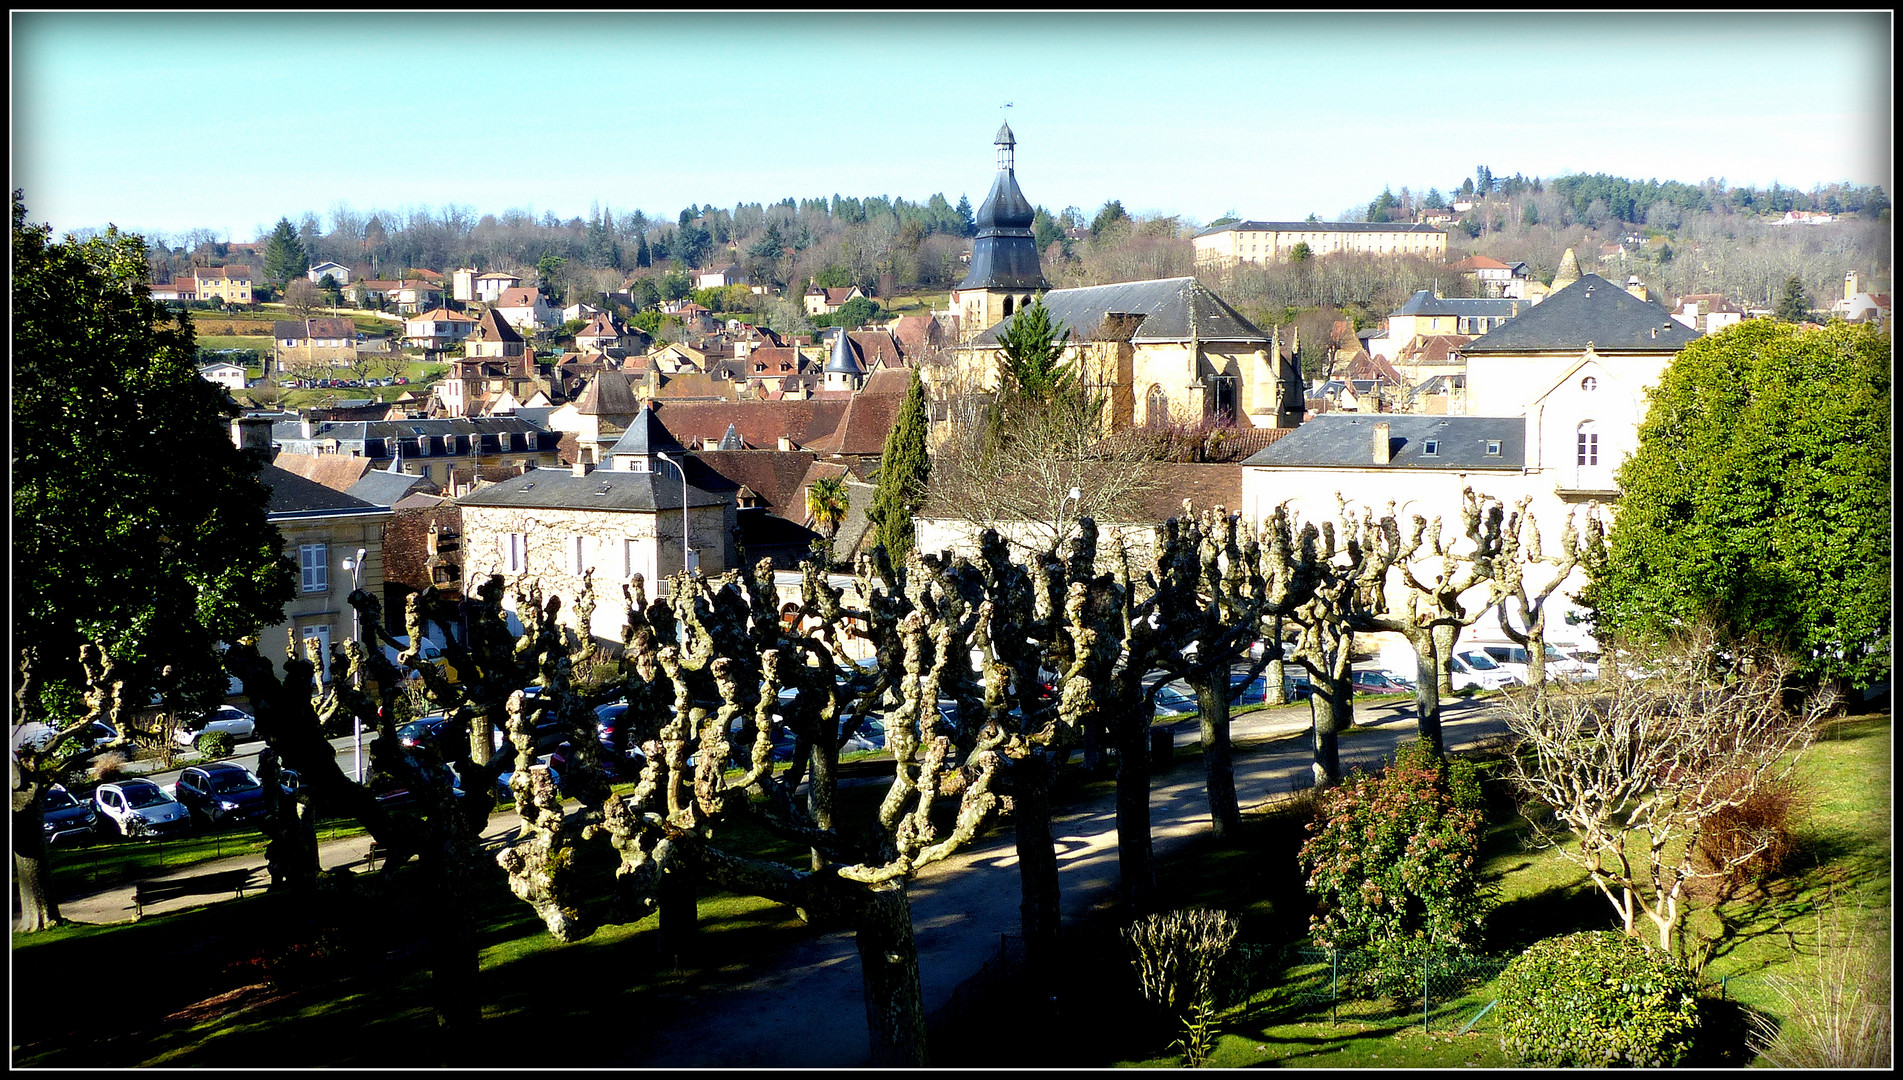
(888, 960)
(677, 898)
(1038, 887)
(1445, 638)
(1332, 707)
(1212, 701)
(1135, 869)
(1427, 687)
(32, 874)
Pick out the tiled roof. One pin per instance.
(1172, 309)
(877, 348)
(334, 471)
(1592, 311)
(519, 297)
(441, 315)
(606, 489)
(1433, 349)
(1346, 440)
(863, 430)
(321, 329)
(774, 475)
(493, 327)
(646, 434)
(760, 423)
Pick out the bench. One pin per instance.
(223, 881)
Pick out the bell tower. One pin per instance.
(1005, 271)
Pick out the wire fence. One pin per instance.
(1445, 992)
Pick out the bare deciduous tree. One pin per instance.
(1636, 771)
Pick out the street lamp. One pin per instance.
(681, 468)
(1077, 496)
(355, 566)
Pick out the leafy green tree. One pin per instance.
(284, 254)
(1032, 357)
(1794, 306)
(904, 471)
(856, 312)
(826, 503)
(1044, 229)
(1759, 498)
(675, 285)
(138, 526)
(1301, 252)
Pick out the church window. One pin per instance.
(1588, 444)
(1156, 406)
(1589, 384)
(1007, 305)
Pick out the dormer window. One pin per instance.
(1431, 448)
(1493, 447)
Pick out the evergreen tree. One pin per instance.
(1794, 306)
(284, 254)
(1032, 354)
(642, 257)
(969, 222)
(904, 471)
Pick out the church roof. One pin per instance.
(1004, 254)
(646, 435)
(1591, 311)
(1005, 138)
(845, 357)
(1170, 309)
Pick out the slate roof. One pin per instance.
(493, 327)
(1592, 311)
(1171, 308)
(380, 487)
(1425, 302)
(321, 329)
(646, 434)
(292, 496)
(609, 393)
(1346, 440)
(844, 358)
(606, 489)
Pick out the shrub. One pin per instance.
(1393, 861)
(216, 744)
(1837, 1014)
(1766, 822)
(1597, 999)
(1184, 962)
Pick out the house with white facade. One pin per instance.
(527, 308)
(337, 271)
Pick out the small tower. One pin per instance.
(646, 436)
(1568, 271)
(1005, 271)
(844, 371)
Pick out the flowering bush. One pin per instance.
(1393, 861)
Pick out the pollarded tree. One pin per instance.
(1759, 497)
(1523, 608)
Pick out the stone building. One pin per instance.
(1005, 272)
(610, 522)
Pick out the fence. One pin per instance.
(1448, 992)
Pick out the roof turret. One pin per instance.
(646, 435)
(845, 356)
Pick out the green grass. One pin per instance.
(111, 862)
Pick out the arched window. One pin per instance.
(1589, 384)
(1587, 444)
(1007, 306)
(1156, 406)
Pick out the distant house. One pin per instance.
(179, 289)
(1707, 313)
(223, 373)
(1495, 278)
(437, 329)
(730, 274)
(232, 284)
(527, 308)
(337, 271)
(602, 335)
(1860, 306)
(1428, 315)
(827, 301)
(326, 340)
(1260, 241)
(493, 337)
(412, 296)
(491, 286)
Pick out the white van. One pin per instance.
(1479, 671)
(1559, 664)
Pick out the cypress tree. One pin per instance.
(904, 469)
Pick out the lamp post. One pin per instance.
(355, 566)
(1077, 496)
(680, 467)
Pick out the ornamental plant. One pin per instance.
(1393, 863)
(1597, 999)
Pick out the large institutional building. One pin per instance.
(1260, 241)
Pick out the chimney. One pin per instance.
(1381, 451)
(785, 443)
(251, 433)
(305, 428)
(1634, 286)
(582, 468)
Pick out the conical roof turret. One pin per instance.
(1568, 271)
(1005, 138)
(646, 435)
(844, 359)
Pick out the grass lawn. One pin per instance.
(1845, 854)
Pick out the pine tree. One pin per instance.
(284, 254)
(904, 471)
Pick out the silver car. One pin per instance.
(229, 719)
(140, 808)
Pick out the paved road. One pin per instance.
(803, 1006)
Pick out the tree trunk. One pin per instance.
(888, 963)
(1278, 684)
(1219, 770)
(1038, 887)
(820, 790)
(1445, 638)
(32, 872)
(1427, 688)
(1331, 706)
(455, 978)
(678, 901)
(1134, 867)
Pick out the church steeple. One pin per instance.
(1005, 270)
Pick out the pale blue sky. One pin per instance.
(228, 122)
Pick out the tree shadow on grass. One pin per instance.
(1518, 923)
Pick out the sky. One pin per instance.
(161, 123)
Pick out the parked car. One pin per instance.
(123, 802)
(1173, 702)
(229, 719)
(1559, 665)
(64, 817)
(1379, 682)
(424, 732)
(1480, 672)
(220, 793)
